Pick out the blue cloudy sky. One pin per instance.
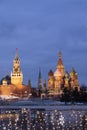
(40, 29)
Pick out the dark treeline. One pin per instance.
(74, 95)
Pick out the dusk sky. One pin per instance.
(40, 29)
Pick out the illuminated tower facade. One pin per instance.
(59, 74)
(59, 79)
(60, 66)
(74, 82)
(51, 82)
(16, 74)
(56, 79)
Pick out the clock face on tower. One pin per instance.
(16, 67)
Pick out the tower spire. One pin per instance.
(39, 82)
(60, 58)
(60, 66)
(60, 55)
(16, 56)
(39, 74)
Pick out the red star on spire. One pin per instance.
(16, 49)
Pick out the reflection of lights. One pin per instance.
(52, 116)
(61, 120)
(4, 128)
(47, 120)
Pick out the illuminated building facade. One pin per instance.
(59, 79)
(16, 74)
(15, 86)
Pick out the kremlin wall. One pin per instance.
(57, 81)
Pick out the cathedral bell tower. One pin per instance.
(60, 65)
(59, 74)
(16, 74)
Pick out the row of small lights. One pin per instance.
(49, 120)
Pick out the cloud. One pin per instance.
(40, 29)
